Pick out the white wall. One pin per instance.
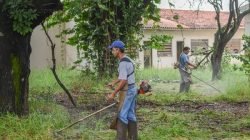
(247, 24)
(41, 52)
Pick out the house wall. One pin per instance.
(40, 57)
(164, 62)
(71, 51)
(247, 24)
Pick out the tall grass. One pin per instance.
(166, 125)
(234, 86)
(236, 93)
(41, 123)
(44, 81)
(157, 74)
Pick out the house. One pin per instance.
(198, 33)
(198, 29)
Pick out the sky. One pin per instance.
(184, 4)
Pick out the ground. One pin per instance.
(202, 114)
(182, 118)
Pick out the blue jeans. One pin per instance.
(127, 111)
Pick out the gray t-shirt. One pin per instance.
(125, 69)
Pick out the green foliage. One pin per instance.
(21, 14)
(245, 58)
(99, 22)
(158, 41)
(225, 63)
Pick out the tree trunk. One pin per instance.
(15, 52)
(216, 64)
(216, 59)
(14, 70)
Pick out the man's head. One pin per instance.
(186, 50)
(117, 47)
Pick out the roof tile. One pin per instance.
(190, 19)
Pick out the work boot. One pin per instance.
(122, 129)
(132, 130)
(182, 87)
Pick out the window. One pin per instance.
(233, 46)
(199, 45)
(167, 51)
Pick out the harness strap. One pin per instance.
(128, 60)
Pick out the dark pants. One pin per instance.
(185, 81)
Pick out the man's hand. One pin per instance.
(110, 97)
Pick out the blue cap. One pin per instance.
(117, 44)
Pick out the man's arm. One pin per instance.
(122, 80)
(186, 60)
(190, 64)
(121, 84)
(114, 82)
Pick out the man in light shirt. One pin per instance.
(126, 120)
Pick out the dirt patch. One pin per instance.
(148, 104)
(214, 116)
(188, 106)
(85, 103)
(238, 108)
(93, 102)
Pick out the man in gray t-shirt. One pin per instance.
(125, 68)
(126, 119)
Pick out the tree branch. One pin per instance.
(53, 69)
(44, 9)
(243, 14)
(229, 21)
(203, 59)
(217, 8)
(236, 9)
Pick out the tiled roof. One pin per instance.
(189, 19)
